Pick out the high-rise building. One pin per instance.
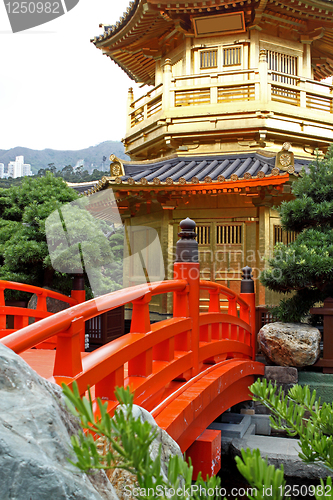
(18, 168)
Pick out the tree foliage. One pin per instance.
(306, 264)
(300, 414)
(79, 243)
(30, 224)
(315, 432)
(23, 247)
(71, 174)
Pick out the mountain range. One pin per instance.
(92, 156)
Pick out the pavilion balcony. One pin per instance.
(233, 100)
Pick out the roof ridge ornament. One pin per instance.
(284, 160)
(116, 167)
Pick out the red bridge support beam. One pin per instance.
(205, 454)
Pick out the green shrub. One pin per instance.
(130, 438)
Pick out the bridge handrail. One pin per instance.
(31, 335)
(23, 315)
(152, 342)
(23, 287)
(218, 288)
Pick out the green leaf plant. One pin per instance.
(302, 416)
(129, 439)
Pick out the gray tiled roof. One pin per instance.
(81, 187)
(200, 167)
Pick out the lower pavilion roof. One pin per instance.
(199, 170)
(194, 169)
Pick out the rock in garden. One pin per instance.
(52, 305)
(290, 344)
(35, 430)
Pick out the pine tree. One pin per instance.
(305, 265)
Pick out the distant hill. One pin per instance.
(91, 156)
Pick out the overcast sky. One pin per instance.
(56, 89)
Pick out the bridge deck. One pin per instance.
(42, 360)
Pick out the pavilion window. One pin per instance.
(282, 63)
(203, 235)
(208, 59)
(281, 236)
(232, 56)
(229, 235)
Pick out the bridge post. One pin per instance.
(3, 316)
(187, 267)
(248, 295)
(78, 292)
(68, 362)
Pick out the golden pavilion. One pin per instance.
(238, 101)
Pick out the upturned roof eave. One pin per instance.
(116, 34)
(228, 184)
(131, 28)
(133, 16)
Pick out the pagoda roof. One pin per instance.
(147, 26)
(197, 171)
(81, 187)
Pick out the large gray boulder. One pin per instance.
(52, 305)
(35, 430)
(290, 344)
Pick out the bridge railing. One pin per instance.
(23, 315)
(152, 356)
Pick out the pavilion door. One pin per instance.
(221, 254)
(229, 254)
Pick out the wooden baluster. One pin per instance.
(68, 361)
(106, 387)
(225, 330)
(181, 310)
(3, 316)
(214, 306)
(248, 295)
(165, 351)
(41, 303)
(187, 267)
(180, 301)
(244, 314)
(78, 293)
(141, 365)
(232, 310)
(20, 321)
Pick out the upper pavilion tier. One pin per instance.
(149, 28)
(227, 75)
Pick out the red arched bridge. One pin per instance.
(185, 370)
